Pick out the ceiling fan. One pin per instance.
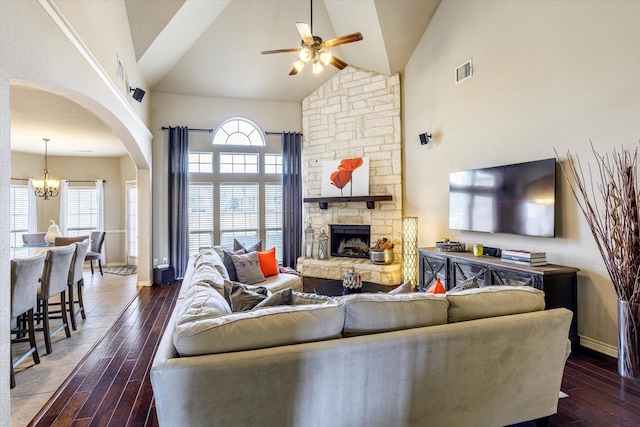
(312, 48)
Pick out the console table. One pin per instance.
(558, 282)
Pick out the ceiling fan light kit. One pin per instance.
(313, 48)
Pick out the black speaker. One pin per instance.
(138, 93)
(163, 276)
(424, 138)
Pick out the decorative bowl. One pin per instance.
(381, 256)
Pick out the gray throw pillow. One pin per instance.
(404, 288)
(253, 248)
(243, 297)
(469, 283)
(228, 263)
(282, 297)
(248, 268)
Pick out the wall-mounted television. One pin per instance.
(515, 199)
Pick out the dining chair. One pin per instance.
(75, 279)
(54, 282)
(97, 240)
(64, 241)
(25, 273)
(34, 239)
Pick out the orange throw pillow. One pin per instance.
(268, 263)
(436, 288)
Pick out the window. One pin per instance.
(132, 220)
(238, 131)
(273, 163)
(82, 211)
(19, 216)
(200, 216)
(200, 162)
(239, 214)
(247, 183)
(238, 163)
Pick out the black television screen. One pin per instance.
(516, 199)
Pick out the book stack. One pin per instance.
(530, 258)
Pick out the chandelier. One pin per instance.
(46, 186)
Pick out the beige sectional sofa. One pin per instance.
(484, 357)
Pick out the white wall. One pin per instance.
(40, 48)
(203, 113)
(546, 75)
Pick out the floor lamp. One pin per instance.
(410, 250)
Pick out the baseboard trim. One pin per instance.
(599, 346)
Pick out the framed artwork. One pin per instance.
(345, 177)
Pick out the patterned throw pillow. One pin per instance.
(248, 268)
(228, 263)
(282, 297)
(469, 283)
(243, 297)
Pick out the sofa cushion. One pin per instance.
(248, 268)
(208, 273)
(282, 281)
(303, 298)
(267, 327)
(227, 260)
(201, 301)
(210, 256)
(374, 313)
(268, 263)
(490, 301)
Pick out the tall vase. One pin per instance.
(629, 340)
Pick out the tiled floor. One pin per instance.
(104, 298)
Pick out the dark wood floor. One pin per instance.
(111, 385)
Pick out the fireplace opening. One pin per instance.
(350, 240)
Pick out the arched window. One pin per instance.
(238, 131)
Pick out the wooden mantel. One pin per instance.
(370, 200)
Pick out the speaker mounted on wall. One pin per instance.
(425, 138)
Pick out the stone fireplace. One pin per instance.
(350, 240)
(354, 114)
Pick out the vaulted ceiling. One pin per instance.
(212, 48)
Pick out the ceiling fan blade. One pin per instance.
(305, 32)
(292, 49)
(349, 38)
(294, 71)
(338, 63)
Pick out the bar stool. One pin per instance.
(55, 279)
(25, 273)
(75, 278)
(95, 252)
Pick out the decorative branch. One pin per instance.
(610, 207)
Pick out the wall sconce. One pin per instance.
(410, 250)
(138, 93)
(425, 138)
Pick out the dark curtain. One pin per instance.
(291, 198)
(178, 199)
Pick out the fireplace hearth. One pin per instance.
(350, 240)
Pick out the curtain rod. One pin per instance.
(68, 180)
(211, 130)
